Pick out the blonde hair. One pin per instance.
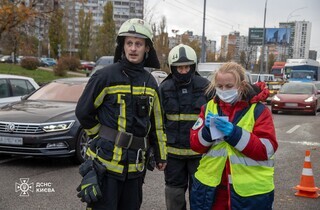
(239, 74)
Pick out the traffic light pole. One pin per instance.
(263, 38)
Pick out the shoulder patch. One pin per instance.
(197, 124)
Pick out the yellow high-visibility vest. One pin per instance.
(249, 177)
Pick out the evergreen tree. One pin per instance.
(85, 34)
(57, 33)
(106, 36)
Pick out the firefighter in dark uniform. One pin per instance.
(120, 110)
(182, 95)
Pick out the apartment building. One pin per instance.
(300, 37)
(122, 11)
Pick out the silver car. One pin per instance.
(12, 87)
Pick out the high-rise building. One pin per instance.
(299, 39)
(122, 11)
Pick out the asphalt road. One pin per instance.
(36, 183)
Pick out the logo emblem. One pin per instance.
(10, 127)
(198, 124)
(24, 187)
(175, 56)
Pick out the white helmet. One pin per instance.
(137, 28)
(182, 55)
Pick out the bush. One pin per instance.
(72, 63)
(60, 69)
(30, 63)
(66, 64)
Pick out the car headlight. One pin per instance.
(310, 99)
(276, 98)
(57, 126)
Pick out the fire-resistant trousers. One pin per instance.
(119, 195)
(178, 179)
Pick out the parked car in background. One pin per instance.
(87, 65)
(296, 97)
(102, 62)
(159, 76)
(274, 87)
(262, 77)
(6, 59)
(44, 123)
(47, 62)
(12, 87)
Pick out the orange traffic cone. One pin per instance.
(307, 187)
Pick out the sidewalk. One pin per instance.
(69, 72)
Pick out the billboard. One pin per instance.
(277, 36)
(255, 36)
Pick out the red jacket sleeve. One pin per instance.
(262, 143)
(196, 141)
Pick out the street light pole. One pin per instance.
(203, 45)
(263, 37)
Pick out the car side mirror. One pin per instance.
(24, 97)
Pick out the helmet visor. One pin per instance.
(182, 63)
(133, 35)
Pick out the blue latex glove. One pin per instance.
(208, 117)
(224, 126)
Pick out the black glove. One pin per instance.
(151, 162)
(85, 167)
(89, 190)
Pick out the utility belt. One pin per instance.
(123, 139)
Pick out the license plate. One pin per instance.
(276, 87)
(10, 140)
(291, 104)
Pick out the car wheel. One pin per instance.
(274, 111)
(81, 147)
(314, 111)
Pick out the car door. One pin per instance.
(11, 90)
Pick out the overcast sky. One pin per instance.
(225, 16)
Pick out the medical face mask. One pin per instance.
(228, 96)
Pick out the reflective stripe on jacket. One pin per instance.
(182, 105)
(245, 171)
(127, 104)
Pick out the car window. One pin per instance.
(317, 85)
(104, 61)
(296, 89)
(59, 92)
(19, 87)
(4, 90)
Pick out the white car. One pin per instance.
(12, 87)
(159, 76)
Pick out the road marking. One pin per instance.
(308, 143)
(293, 129)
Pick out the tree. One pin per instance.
(271, 60)
(57, 33)
(85, 34)
(246, 57)
(194, 44)
(16, 13)
(211, 56)
(106, 37)
(229, 56)
(161, 43)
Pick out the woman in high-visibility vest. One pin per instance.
(236, 135)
